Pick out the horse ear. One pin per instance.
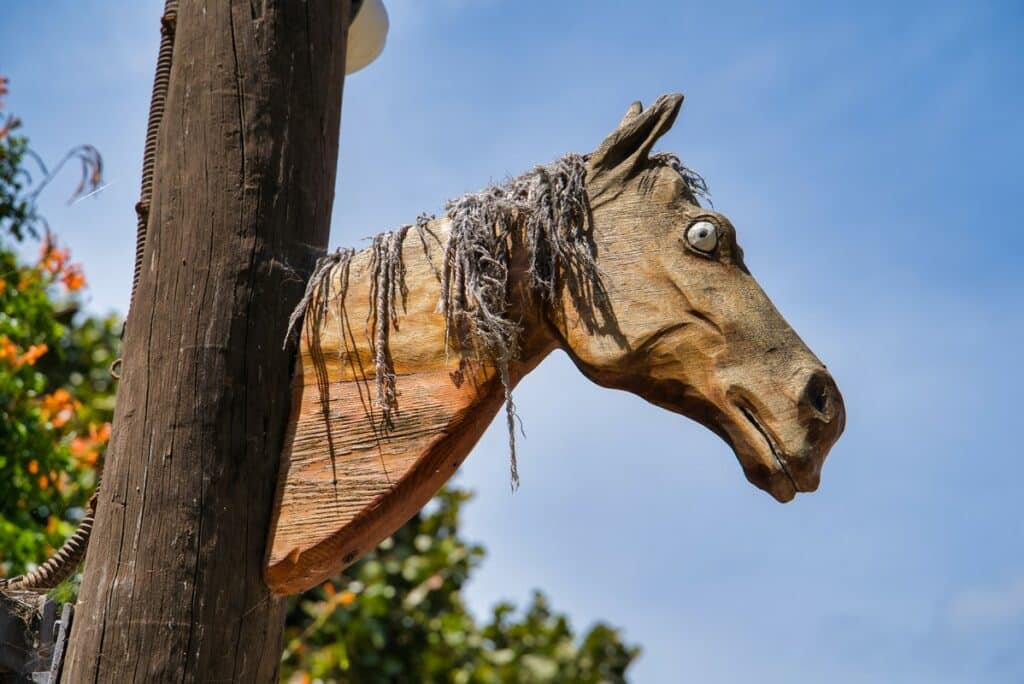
(631, 113)
(624, 151)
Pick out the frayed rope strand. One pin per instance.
(548, 204)
(547, 208)
(318, 288)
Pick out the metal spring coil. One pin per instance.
(60, 565)
(156, 115)
(63, 564)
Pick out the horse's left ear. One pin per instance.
(624, 152)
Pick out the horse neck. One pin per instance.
(351, 477)
(415, 340)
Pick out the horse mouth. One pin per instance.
(768, 469)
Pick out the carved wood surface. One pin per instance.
(678, 320)
(340, 469)
(173, 588)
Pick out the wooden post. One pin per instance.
(244, 184)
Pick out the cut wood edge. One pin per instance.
(293, 569)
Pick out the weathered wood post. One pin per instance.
(244, 183)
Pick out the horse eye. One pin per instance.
(702, 236)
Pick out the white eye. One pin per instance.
(702, 236)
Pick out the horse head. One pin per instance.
(681, 322)
(411, 346)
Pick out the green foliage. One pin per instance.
(398, 616)
(17, 215)
(56, 397)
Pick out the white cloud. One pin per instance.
(987, 607)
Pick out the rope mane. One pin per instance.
(548, 206)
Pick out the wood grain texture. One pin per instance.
(340, 468)
(246, 162)
(689, 330)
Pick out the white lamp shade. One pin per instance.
(366, 36)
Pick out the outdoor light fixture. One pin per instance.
(367, 35)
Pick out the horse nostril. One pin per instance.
(818, 392)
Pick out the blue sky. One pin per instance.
(869, 155)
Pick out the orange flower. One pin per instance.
(33, 467)
(8, 350)
(28, 279)
(44, 482)
(80, 446)
(81, 450)
(73, 278)
(99, 435)
(56, 401)
(329, 589)
(59, 407)
(87, 449)
(3, 283)
(32, 355)
(346, 598)
(51, 524)
(52, 259)
(9, 125)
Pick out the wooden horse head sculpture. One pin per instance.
(411, 346)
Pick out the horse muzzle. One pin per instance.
(782, 439)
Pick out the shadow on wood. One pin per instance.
(392, 391)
